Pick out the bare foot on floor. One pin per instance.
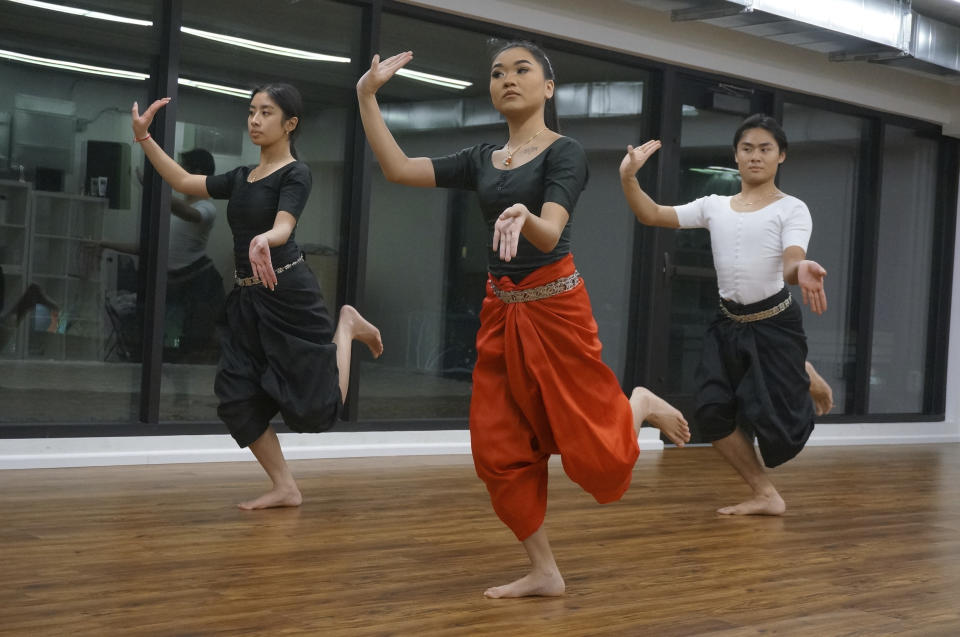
(771, 504)
(362, 330)
(276, 497)
(820, 391)
(530, 585)
(659, 413)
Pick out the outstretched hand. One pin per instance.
(381, 71)
(810, 277)
(506, 230)
(141, 123)
(260, 262)
(637, 157)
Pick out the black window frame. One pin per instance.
(658, 102)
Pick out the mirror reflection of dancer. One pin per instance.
(280, 351)
(753, 366)
(31, 297)
(540, 386)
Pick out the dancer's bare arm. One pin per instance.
(172, 172)
(646, 210)
(396, 166)
(798, 270)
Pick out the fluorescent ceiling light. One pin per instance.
(128, 75)
(434, 79)
(83, 12)
(72, 66)
(215, 88)
(264, 47)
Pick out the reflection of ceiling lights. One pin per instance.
(72, 66)
(215, 88)
(717, 170)
(252, 45)
(127, 75)
(264, 47)
(434, 79)
(83, 12)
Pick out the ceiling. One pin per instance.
(933, 49)
(944, 10)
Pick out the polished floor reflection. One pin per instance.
(405, 546)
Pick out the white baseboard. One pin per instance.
(45, 453)
(885, 433)
(38, 453)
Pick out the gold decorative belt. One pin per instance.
(757, 316)
(544, 291)
(255, 280)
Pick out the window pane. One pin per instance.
(706, 167)
(67, 192)
(427, 248)
(901, 310)
(198, 277)
(822, 169)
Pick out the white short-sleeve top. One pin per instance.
(748, 246)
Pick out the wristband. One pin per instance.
(141, 140)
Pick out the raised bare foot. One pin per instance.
(659, 413)
(770, 504)
(276, 497)
(820, 391)
(535, 583)
(362, 330)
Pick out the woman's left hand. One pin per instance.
(506, 230)
(810, 277)
(260, 262)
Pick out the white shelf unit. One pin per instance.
(15, 201)
(63, 259)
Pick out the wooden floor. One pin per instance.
(870, 545)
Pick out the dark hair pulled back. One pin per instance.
(288, 99)
(550, 117)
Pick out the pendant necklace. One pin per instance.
(509, 158)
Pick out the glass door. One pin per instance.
(703, 164)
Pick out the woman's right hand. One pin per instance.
(637, 157)
(141, 123)
(381, 71)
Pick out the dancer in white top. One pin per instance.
(753, 369)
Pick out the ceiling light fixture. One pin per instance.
(72, 66)
(263, 47)
(215, 88)
(434, 79)
(121, 73)
(84, 12)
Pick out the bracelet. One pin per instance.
(141, 140)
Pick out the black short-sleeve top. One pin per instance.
(558, 174)
(253, 207)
